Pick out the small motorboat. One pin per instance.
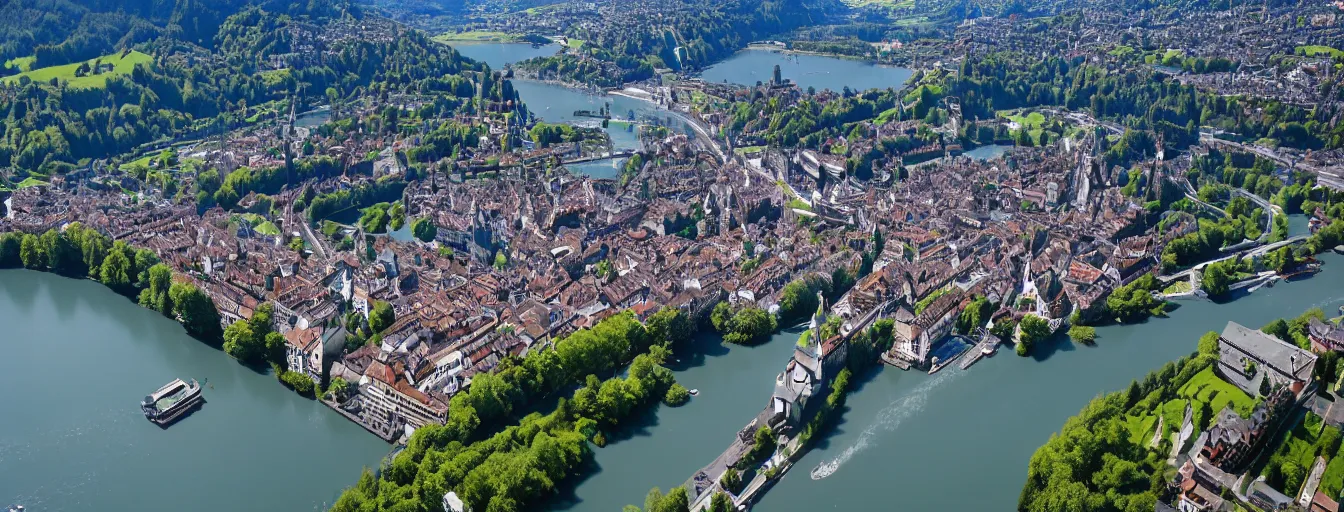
(14, 508)
(694, 392)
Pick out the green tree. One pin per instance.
(339, 389)
(797, 300)
(1083, 334)
(670, 326)
(196, 311)
(274, 346)
(145, 259)
(396, 216)
(9, 250)
(117, 272)
(424, 229)
(721, 316)
(1032, 330)
(750, 326)
(31, 252)
(974, 316)
(720, 501)
(676, 396)
(1208, 343)
(1216, 280)
(731, 480)
(381, 316)
(240, 342)
(374, 219)
(155, 294)
(61, 254)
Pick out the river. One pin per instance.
(667, 445)
(78, 360)
(958, 440)
(750, 66)
(961, 440)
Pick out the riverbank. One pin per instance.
(911, 434)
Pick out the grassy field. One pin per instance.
(1207, 387)
(144, 160)
(1181, 286)
(542, 8)
(748, 149)
(1204, 387)
(20, 63)
(1030, 121)
(1314, 50)
(476, 36)
(260, 224)
(121, 66)
(31, 182)
(1140, 428)
(1333, 480)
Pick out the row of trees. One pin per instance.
(1092, 464)
(496, 468)
(84, 252)
(743, 326)
(254, 341)
(513, 468)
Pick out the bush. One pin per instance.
(731, 480)
(677, 395)
(1083, 334)
(298, 382)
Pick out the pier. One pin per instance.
(598, 158)
(897, 362)
(988, 345)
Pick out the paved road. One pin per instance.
(1253, 251)
(1329, 177)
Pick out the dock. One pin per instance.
(944, 364)
(890, 360)
(987, 345)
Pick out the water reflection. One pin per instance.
(750, 66)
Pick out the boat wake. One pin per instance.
(888, 419)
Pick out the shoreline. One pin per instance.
(790, 51)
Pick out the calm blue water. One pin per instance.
(750, 66)
(497, 55)
(601, 169)
(77, 360)
(987, 152)
(961, 440)
(667, 445)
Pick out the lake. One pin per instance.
(750, 66)
(498, 55)
(78, 360)
(987, 152)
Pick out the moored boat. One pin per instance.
(171, 401)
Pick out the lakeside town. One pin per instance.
(404, 242)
